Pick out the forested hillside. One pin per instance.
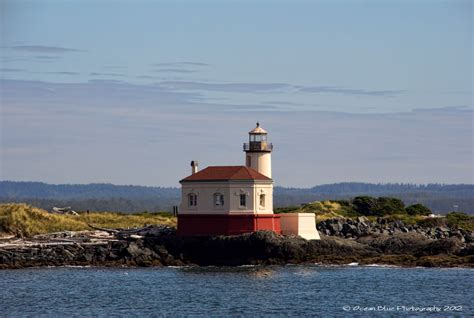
(127, 198)
(440, 198)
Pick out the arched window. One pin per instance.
(262, 200)
(192, 199)
(218, 199)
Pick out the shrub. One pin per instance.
(460, 220)
(288, 209)
(432, 222)
(364, 205)
(382, 206)
(418, 209)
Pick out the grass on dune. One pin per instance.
(323, 210)
(26, 220)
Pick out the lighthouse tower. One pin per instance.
(258, 151)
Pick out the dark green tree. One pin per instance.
(418, 209)
(382, 206)
(364, 205)
(389, 206)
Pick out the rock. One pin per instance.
(469, 237)
(401, 243)
(87, 257)
(133, 249)
(68, 255)
(449, 246)
(363, 220)
(335, 228)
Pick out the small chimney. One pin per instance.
(194, 166)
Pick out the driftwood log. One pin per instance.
(136, 233)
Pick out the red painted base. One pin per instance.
(212, 224)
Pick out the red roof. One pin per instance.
(224, 173)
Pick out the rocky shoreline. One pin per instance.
(162, 247)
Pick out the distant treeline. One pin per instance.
(439, 198)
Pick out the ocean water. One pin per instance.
(272, 291)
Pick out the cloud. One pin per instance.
(94, 92)
(105, 74)
(447, 109)
(64, 73)
(173, 70)
(146, 76)
(349, 91)
(226, 87)
(12, 70)
(43, 49)
(180, 64)
(283, 103)
(53, 122)
(8, 59)
(38, 58)
(47, 57)
(274, 87)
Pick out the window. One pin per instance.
(218, 199)
(192, 199)
(249, 161)
(243, 200)
(258, 137)
(262, 200)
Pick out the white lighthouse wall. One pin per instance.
(260, 161)
(231, 190)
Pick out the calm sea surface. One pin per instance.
(343, 291)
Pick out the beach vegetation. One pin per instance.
(25, 220)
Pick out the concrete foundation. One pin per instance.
(302, 224)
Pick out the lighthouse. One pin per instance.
(230, 200)
(258, 151)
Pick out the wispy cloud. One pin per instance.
(180, 64)
(174, 70)
(43, 49)
(349, 91)
(105, 74)
(8, 59)
(47, 57)
(64, 73)
(284, 103)
(274, 87)
(226, 87)
(146, 77)
(447, 109)
(11, 70)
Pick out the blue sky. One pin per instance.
(129, 92)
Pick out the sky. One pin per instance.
(129, 92)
